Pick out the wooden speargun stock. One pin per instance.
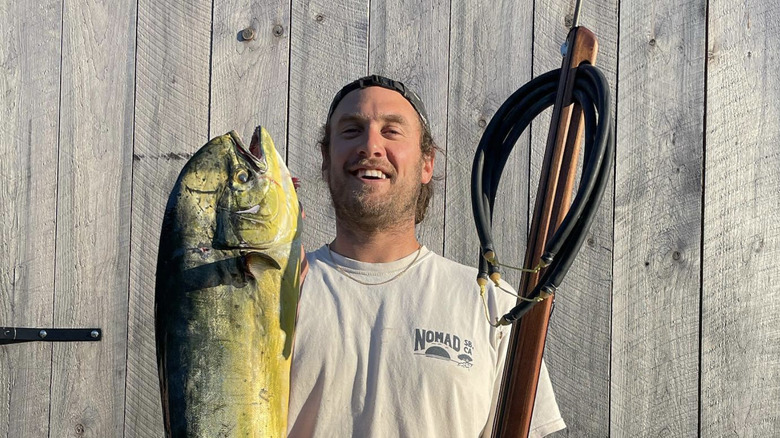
(580, 95)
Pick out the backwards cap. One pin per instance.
(381, 81)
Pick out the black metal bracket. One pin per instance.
(16, 335)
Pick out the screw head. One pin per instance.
(248, 34)
(94, 334)
(278, 30)
(42, 334)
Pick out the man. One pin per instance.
(392, 339)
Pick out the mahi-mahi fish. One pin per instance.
(228, 277)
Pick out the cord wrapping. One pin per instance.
(591, 92)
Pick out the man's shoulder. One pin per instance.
(458, 270)
(453, 266)
(450, 264)
(317, 254)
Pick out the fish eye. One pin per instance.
(242, 176)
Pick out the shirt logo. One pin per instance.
(443, 346)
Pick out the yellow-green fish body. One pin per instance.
(227, 291)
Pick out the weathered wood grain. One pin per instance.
(93, 216)
(29, 84)
(740, 357)
(171, 123)
(577, 349)
(249, 76)
(409, 42)
(329, 48)
(118, 146)
(657, 281)
(490, 57)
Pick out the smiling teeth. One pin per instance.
(371, 173)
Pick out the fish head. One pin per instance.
(258, 208)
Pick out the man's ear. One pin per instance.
(325, 165)
(427, 166)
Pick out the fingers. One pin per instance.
(297, 184)
(304, 265)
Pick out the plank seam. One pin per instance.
(7, 396)
(368, 41)
(446, 131)
(56, 208)
(211, 68)
(530, 129)
(130, 249)
(289, 82)
(703, 189)
(614, 195)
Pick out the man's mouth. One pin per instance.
(370, 174)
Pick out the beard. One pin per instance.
(360, 206)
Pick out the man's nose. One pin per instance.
(373, 144)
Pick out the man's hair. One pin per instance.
(428, 148)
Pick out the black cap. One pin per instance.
(381, 81)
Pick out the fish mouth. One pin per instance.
(256, 145)
(254, 153)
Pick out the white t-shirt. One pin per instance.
(412, 357)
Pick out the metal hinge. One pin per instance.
(15, 335)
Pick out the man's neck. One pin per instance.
(382, 246)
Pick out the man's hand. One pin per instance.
(304, 265)
(304, 262)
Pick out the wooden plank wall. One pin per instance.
(740, 309)
(667, 324)
(655, 319)
(29, 124)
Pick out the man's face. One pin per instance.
(376, 166)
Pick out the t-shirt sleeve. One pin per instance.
(546, 417)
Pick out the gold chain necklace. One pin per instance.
(340, 269)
